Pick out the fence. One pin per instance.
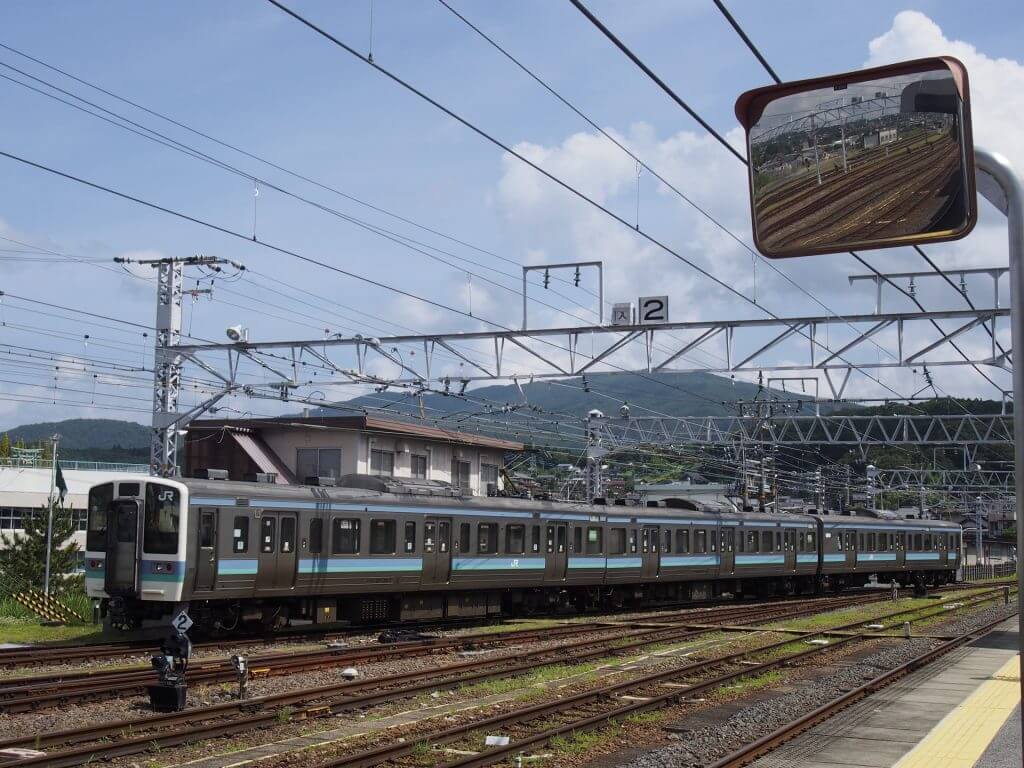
(991, 571)
(92, 466)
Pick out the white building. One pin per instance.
(25, 490)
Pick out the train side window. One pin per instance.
(464, 538)
(766, 541)
(429, 532)
(535, 539)
(560, 538)
(617, 541)
(268, 534)
(487, 538)
(595, 545)
(632, 541)
(803, 542)
(382, 537)
(778, 541)
(206, 529)
(700, 541)
(812, 545)
(410, 536)
(99, 505)
(645, 539)
(860, 540)
(740, 543)
(667, 545)
(444, 534)
(316, 536)
(551, 538)
(344, 536)
(577, 539)
(682, 541)
(287, 534)
(927, 541)
(917, 542)
(515, 539)
(240, 535)
(752, 541)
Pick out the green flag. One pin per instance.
(62, 487)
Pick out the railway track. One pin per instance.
(131, 737)
(596, 708)
(141, 734)
(40, 691)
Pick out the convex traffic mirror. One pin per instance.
(868, 159)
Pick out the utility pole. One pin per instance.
(595, 452)
(49, 512)
(163, 453)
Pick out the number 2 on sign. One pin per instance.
(652, 309)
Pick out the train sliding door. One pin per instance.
(437, 551)
(649, 551)
(276, 568)
(206, 558)
(556, 560)
(121, 572)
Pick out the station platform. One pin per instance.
(963, 711)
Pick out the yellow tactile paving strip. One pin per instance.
(962, 736)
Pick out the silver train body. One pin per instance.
(250, 554)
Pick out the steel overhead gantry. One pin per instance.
(946, 479)
(742, 346)
(790, 429)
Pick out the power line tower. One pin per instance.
(163, 453)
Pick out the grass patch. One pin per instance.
(29, 630)
(756, 683)
(519, 626)
(577, 742)
(539, 676)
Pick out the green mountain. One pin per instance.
(90, 439)
(512, 407)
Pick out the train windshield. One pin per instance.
(99, 506)
(163, 516)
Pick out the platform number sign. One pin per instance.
(652, 310)
(182, 623)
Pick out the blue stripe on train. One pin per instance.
(922, 555)
(761, 559)
(360, 564)
(689, 560)
(875, 557)
(497, 563)
(624, 562)
(237, 567)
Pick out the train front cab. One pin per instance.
(135, 545)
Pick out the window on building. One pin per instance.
(460, 474)
(595, 543)
(515, 539)
(316, 536)
(317, 462)
(418, 466)
(682, 541)
(382, 463)
(410, 536)
(240, 535)
(345, 536)
(487, 538)
(617, 541)
(382, 537)
(489, 476)
(11, 519)
(80, 519)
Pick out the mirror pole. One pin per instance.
(997, 169)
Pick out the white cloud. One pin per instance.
(997, 85)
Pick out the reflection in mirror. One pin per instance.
(853, 165)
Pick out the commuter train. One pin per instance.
(257, 555)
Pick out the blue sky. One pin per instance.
(248, 74)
